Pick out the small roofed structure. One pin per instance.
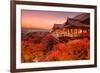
(57, 26)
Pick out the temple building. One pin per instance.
(78, 26)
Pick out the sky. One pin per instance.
(44, 19)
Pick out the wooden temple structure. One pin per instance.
(78, 26)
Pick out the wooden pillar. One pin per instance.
(66, 32)
(73, 32)
(82, 32)
(76, 31)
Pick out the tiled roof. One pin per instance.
(76, 21)
(82, 16)
(58, 26)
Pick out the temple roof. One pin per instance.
(76, 22)
(82, 16)
(58, 26)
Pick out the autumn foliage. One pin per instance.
(40, 48)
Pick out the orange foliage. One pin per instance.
(73, 50)
(34, 51)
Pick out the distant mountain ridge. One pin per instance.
(27, 30)
(34, 29)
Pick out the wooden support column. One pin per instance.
(82, 32)
(76, 31)
(73, 32)
(66, 31)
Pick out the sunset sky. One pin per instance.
(44, 19)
